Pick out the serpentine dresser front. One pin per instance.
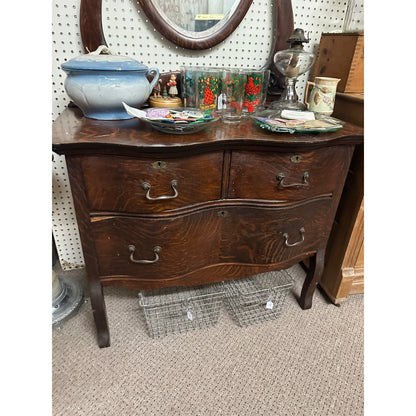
(157, 210)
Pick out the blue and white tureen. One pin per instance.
(99, 82)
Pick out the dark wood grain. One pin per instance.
(224, 272)
(235, 235)
(254, 175)
(88, 248)
(316, 267)
(90, 22)
(186, 41)
(188, 242)
(226, 173)
(223, 227)
(115, 183)
(282, 30)
(73, 133)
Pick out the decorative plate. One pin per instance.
(279, 125)
(180, 120)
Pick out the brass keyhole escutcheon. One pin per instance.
(222, 213)
(159, 165)
(296, 158)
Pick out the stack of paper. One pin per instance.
(297, 115)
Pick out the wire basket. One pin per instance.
(178, 309)
(257, 298)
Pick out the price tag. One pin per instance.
(269, 304)
(221, 99)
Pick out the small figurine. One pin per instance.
(173, 90)
(157, 88)
(165, 94)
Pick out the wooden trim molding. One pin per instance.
(93, 36)
(188, 42)
(90, 21)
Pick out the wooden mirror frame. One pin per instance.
(188, 42)
(92, 34)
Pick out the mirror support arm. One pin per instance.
(284, 24)
(90, 19)
(282, 30)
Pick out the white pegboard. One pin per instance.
(129, 32)
(64, 224)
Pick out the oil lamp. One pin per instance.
(292, 63)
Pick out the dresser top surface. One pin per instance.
(72, 133)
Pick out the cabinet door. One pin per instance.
(287, 176)
(146, 185)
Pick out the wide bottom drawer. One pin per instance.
(162, 248)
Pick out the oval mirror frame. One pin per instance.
(92, 34)
(188, 42)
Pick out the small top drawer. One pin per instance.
(146, 185)
(287, 176)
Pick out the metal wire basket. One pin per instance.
(178, 309)
(257, 298)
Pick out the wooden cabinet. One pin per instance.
(341, 55)
(157, 210)
(344, 270)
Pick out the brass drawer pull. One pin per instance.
(156, 250)
(286, 237)
(281, 176)
(146, 186)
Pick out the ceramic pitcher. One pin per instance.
(322, 97)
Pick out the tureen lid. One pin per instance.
(102, 59)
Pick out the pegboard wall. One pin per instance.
(129, 32)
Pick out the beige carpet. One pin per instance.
(305, 363)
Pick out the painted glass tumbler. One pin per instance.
(231, 98)
(209, 83)
(255, 90)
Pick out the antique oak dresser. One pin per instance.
(157, 210)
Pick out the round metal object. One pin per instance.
(67, 302)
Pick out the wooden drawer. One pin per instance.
(273, 235)
(118, 184)
(287, 176)
(187, 242)
(228, 235)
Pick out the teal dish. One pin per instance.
(157, 118)
(335, 126)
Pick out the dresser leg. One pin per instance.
(100, 315)
(314, 274)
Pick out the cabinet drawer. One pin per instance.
(273, 235)
(287, 176)
(127, 184)
(186, 242)
(228, 235)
